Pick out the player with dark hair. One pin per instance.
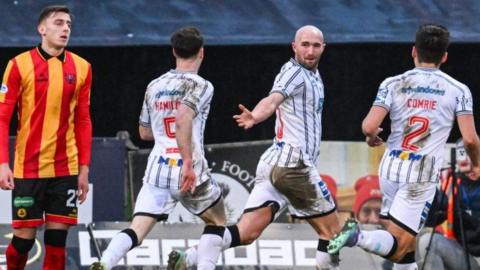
(174, 112)
(423, 104)
(51, 88)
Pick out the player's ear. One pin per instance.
(201, 53)
(41, 29)
(444, 58)
(414, 52)
(174, 53)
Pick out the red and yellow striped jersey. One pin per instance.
(54, 132)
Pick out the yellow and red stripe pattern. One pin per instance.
(54, 126)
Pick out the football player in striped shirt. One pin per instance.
(51, 88)
(174, 113)
(286, 174)
(423, 104)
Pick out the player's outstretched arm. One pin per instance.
(183, 130)
(371, 125)
(466, 124)
(264, 109)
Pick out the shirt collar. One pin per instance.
(47, 56)
(295, 63)
(427, 68)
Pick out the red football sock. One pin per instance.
(54, 258)
(15, 260)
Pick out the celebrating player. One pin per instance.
(423, 104)
(174, 112)
(286, 173)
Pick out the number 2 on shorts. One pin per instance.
(71, 201)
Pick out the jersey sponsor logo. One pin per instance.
(423, 90)
(381, 95)
(422, 103)
(22, 212)
(320, 105)
(170, 93)
(466, 101)
(404, 155)
(172, 150)
(23, 201)
(172, 162)
(424, 214)
(325, 191)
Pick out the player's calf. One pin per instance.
(17, 252)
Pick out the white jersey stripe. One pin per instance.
(389, 168)
(298, 123)
(150, 166)
(162, 98)
(409, 172)
(292, 78)
(423, 104)
(169, 177)
(305, 124)
(157, 177)
(399, 168)
(420, 173)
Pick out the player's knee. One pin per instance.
(215, 230)
(408, 258)
(133, 236)
(399, 251)
(56, 238)
(22, 245)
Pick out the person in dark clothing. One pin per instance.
(446, 250)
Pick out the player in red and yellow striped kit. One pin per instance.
(51, 89)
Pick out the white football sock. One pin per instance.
(324, 261)
(379, 242)
(117, 248)
(191, 258)
(209, 250)
(405, 266)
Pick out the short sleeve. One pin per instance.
(10, 84)
(289, 82)
(145, 113)
(464, 102)
(384, 96)
(197, 95)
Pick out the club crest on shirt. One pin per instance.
(70, 78)
(3, 89)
